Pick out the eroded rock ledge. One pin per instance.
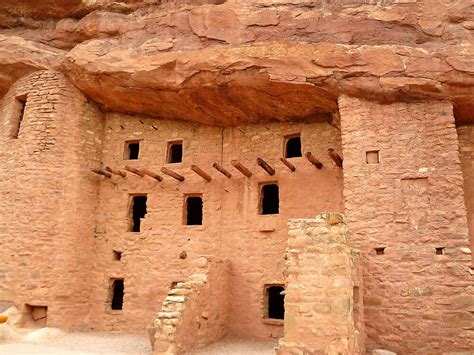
(248, 61)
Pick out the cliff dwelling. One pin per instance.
(292, 173)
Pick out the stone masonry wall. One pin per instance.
(319, 294)
(232, 226)
(48, 197)
(417, 298)
(466, 154)
(195, 312)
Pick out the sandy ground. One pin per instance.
(101, 344)
(232, 346)
(82, 343)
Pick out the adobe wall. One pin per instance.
(466, 154)
(322, 288)
(232, 228)
(410, 203)
(47, 197)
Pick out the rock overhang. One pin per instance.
(257, 61)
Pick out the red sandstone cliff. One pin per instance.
(245, 61)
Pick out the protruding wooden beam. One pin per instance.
(134, 170)
(265, 166)
(220, 169)
(102, 172)
(336, 157)
(172, 174)
(116, 171)
(152, 174)
(201, 173)
(313, 160)
(236, 164)
(288, 164)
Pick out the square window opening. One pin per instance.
(293, 146)
(117, 255)
(380, 251)
(137, 212)
(116, 294)
(20, 102)
(132, 150)
(175, 152)
(372, 157)
(440, 251)
(274, 301)
(39, 314)
(269, 199)
(193, 210)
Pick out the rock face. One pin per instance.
(247, 61)
(139, 135)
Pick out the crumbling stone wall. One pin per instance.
(48, 197)
(417, 298)
(195, 312)
(322, 277)
(466, 154)
(232, 226)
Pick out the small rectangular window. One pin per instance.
(440, 251)
(269, 199)
(137, 212)
(372, 157)
(380, 251)
(132, 150)
(175, 152)
(117, 292)
(117, 255)
(193, 210)
(293, 146)
(20, 103)
(275, 301)
(39, 314)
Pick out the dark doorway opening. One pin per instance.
(293, 147)
(270, 199)
(117, 294)
(193, 212)
(275, 302)
(138, 212)
(175, 152)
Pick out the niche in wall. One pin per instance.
(38, 313)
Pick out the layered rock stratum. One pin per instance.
(229, 62)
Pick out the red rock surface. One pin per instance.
(247, 61)
(373, 80)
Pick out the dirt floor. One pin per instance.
(114, 344)
(82, 343)
(228, 346)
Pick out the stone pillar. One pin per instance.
(50, 139)
(404, 202)
(319, 296)
(466, 154)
